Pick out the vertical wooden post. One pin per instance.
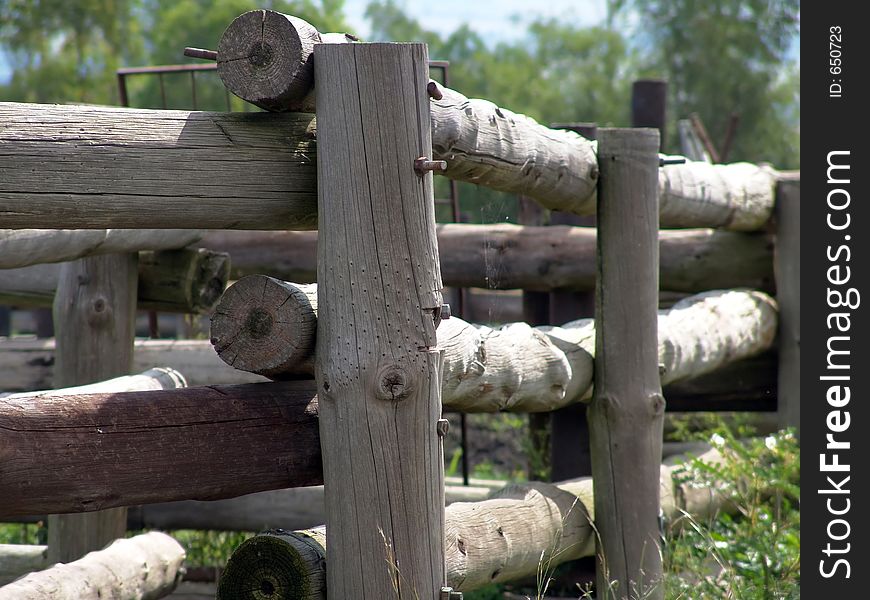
(787, 270)
(649, 101)
(94, 316)
(379, 285)
(626, 414)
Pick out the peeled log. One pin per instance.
(23, 247)
(189, 280)
(17, 559)
(492, 146)
(503, 538)
(158, 378)
(143, 567)
(267, 326)
(28, 365)
(503, 256)
(535, 369)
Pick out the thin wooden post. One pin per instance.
(627, 408)
(94, 316)
(378, 364)
(787, 263)
(649, 101)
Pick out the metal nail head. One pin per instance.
(434, 91)
(442, 427)
(445, 311)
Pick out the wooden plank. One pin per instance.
(787, 263)
(88, 167)
(23, 247)
(95, 321)
(87, 452)
(378, 373)
(145, 566)
(531, 258)
(627, 408)
(186, 281)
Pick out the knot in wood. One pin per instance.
(260, 54)
(99, 312)
(259, 323)
(393, 383)
(657, 403)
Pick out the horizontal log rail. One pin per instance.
(503, 538)
(489, 145)
(513, 368)
(78, 453)
(84, 167)
(145, 566)
(189, 280)
(542, 259)
(24, 247)
(28, 364)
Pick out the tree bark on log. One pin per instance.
(533, 369)
(378, 367)
(186, 281)
(88, 452)
(28, 365)
(504, 256)
(145, 567)
(267, 326)
(87, 167)
(492, 146)
(503, 538)
(24, 247)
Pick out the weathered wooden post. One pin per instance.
(787, 269)
(94, 315)
(626, 414)
(377, 363)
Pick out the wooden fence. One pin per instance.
(371, 351)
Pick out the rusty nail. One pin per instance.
(445, 311)
(434, 90)
(200, 53)
(423, 164)
(442, 427)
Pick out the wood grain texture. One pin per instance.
(23, 247)
(146, 566)
(27, 365)
(86, 167)
(267, 326)
(787, 265)
(121, 449)
(265, 57)
(504, 256)
(627, 408)
(94, 321)
(286, 564)
(186, 281)
(378, 368)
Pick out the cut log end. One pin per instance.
(277, 564)
(255, 319)
(263, 57)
